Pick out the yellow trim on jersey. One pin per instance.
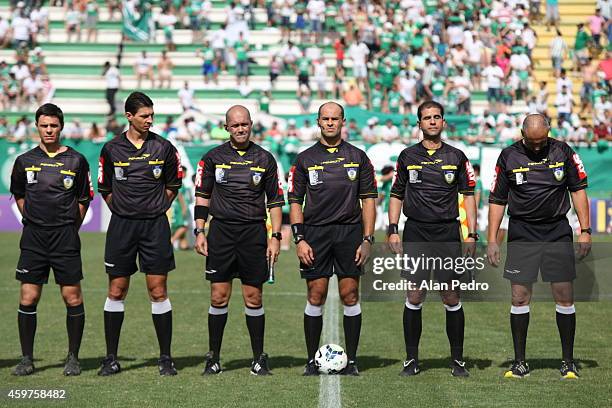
(52, 155)
(120, 164)
(258, 169)
(332, 149)
(58, 164)
(431, 151)
(414, 167)
(33, 169)
(351, 164)
(222, 166)
(520, 170)
(241, 152)
(449, 167)
(156, 162)
(315, 168)
(68, 172)
(557, 164)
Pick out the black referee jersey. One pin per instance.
(332, 180)
(52, 186)
(535, 186)
(236, 182)
(428, 182)
(138, 177)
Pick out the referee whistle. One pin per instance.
(270, 271)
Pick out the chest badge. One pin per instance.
(31, 177)
(256, 177)
(559, 173)
(449, 176)
(351, 173)
(68, 182)
(157, 171)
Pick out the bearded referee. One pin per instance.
(139, 176)
(533, 177)
(236, 182)
(52, 188)
(430, 175)
(333, 231)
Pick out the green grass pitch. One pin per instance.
(488, 347)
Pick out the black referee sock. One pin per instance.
(352, 329)
(413, 326)
(75, 323)
(162, 320)
(566, 323)
(455, 325)
(256, 323)
(519, 323)
(113, 320)
(217, 317)
(313, 326)
(26, 321)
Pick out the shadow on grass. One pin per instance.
(179, 362)
(273, 361)
(367, 362)
(432, 363)
(546, 363)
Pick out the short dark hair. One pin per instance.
(49, 109)
(427, 105)
(137, 100)
(333, 103)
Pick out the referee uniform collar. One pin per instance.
(330, 149)
(240, 152)
(150, 135)
(430, 152)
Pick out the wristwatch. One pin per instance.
(474, 235)
(277, 235)
(587, 230)
(197, 231)
(369, 238)
(298, 239)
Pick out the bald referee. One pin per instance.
(533, 177)
(236, 182)
(139, 176)
(335, 183)
(52, 188)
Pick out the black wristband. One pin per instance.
(297, 230)
(393, 229)
(200, 212)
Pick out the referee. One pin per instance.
(139, 176)
(52, 188)
(533, 177)
(236, 182)
(333, 232)
(430, 175)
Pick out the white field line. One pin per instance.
(329, 387)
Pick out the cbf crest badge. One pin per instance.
(449, 176)
(351, 172)
(157, 171)
(559, 173)
(68, 182)
(220, 175)
(256, 177)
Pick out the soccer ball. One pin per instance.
(330, 359)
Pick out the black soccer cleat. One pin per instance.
(411, 367)
(25, 367)
(166, 366)
(350, 369)
(458, 369)
(311, 369)
(518, 369)
(260, 366)
(110, 366)
(569, 370)
(72, 365)
(211, 364)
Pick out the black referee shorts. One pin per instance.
(546, 248)
(147, 238)
(334, 248)
(237, 251)
(53, 247)
(429, 246)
